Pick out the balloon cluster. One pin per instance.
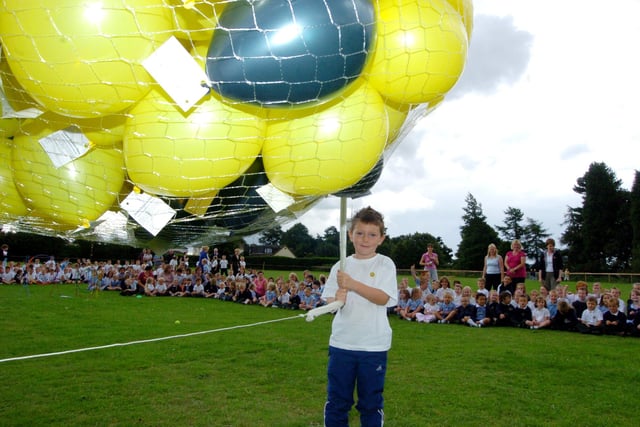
(301, 99)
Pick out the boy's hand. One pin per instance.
(344, 280)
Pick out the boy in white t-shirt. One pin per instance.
(360, 334)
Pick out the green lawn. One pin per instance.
(273, 374)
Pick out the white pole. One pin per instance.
(343, 232)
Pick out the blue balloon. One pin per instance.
(289, 52)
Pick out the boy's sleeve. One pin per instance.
(331, 286)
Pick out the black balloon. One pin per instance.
(289, 52)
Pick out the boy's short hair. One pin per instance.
(480, 295)
(504, 295)
(369, 215)
(482, 279)
(593, 299)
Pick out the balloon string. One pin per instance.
(124, 344)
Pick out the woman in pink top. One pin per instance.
(515, 263)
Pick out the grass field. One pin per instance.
(273, 371)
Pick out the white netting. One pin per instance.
(178, 123)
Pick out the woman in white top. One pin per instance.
(493, 270)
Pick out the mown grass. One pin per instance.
(273, 374)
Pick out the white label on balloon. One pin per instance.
(276, 199)
(66, 145)
(178, 73)
(148, 211)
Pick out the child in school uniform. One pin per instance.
(403, 302)
(482, 313)
(415, 305)
(447, 311)
(540, 316)
(521, 315)
(360, 333)
(591, 319)
(505, 310)
(614, 321)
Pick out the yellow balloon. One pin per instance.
(17, 98)
(12, 206)
(8, 127)
(196, 19)
(397, 114)
(421, 48)
(465, 9)
(83, 58)
(172, 153)
(329, 150)
(73, 194)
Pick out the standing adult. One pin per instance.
(550, 266)
(493, 270)
(235, 262)
(5, 255)
(430, 262)
(515, 263)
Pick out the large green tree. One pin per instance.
(530, 232)
(298, 240)
(635, 223)
(476, 234)
(329, 244)
(271, 236)
(598, 233)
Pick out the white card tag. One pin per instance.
(148, 211)
(178, 73)
(66, 145)
(276, 199)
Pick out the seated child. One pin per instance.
(465, 312)
(565, 318)
(482, 313)
(614, 320)
(591, 319)
(307, 301)
(447, 308)
(429, 311)
(505, 310)
(403, 302)
(540, 316)
(521, 315)
(270, 296)
(414, 305)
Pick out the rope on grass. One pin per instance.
(124, 344)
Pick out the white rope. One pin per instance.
(124, 344)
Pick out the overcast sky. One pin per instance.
(549, 87)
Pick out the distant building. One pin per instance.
(285, 252)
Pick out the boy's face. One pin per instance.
(613, 306)
(365, 238)
(481, 300)
(591, 304)
(522, 302)
(464, 301)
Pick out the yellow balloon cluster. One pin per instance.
(78, 67)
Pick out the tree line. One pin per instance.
(602, 235)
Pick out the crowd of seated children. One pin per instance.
(599, 312)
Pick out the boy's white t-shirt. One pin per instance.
(361, 325)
